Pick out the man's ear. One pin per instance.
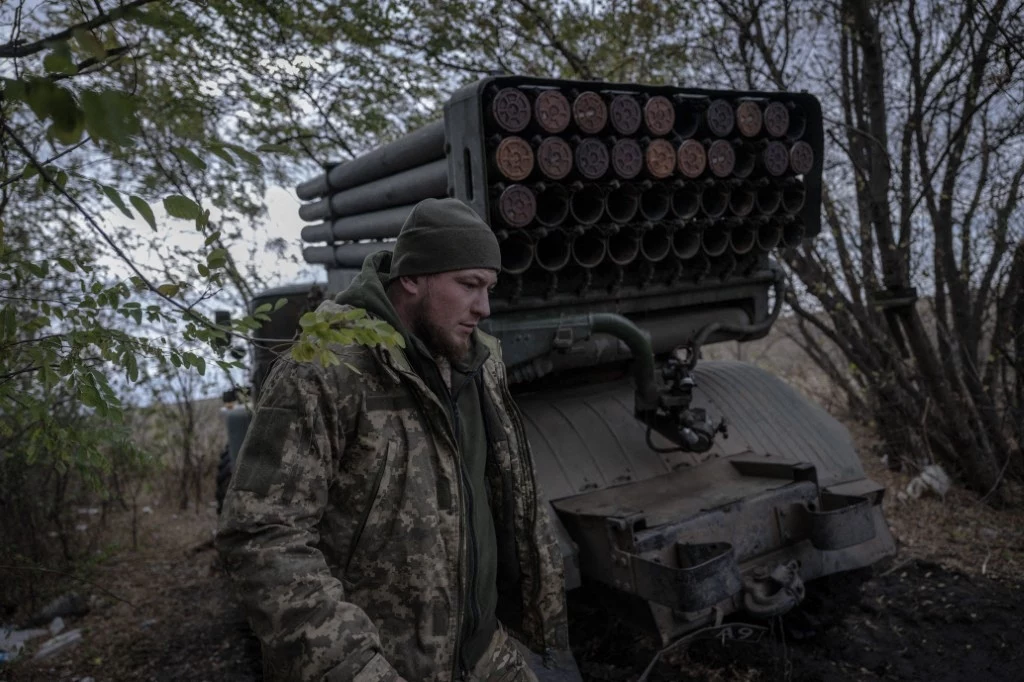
(411, 285)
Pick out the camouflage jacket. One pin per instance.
(343, 529)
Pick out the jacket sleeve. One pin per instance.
(268, 535)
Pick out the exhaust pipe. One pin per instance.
(741, 200)
(714, 241)
(743, 238)
(623, 247)
(655, 245)
(655, 202)
(552, 204)
(768, 235)
(686, 243)
(793, 196)
(588, 250)
(714, 200)
(621, 202)
(586, 204)
(686, 200)
(553, 251)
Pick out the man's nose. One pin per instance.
(481, 305)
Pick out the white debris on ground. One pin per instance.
(933, 479)
(12, 641)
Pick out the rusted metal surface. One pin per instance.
(554, 158)
(517, 206)
(748, 118)
(801, 158)
(625, 114)
(660, 158)
(627, 158)
(511, 110)
(721, 158)
(659, 115)
(775, 158)
(514, 158)
(592, 158)
(590, 112)
(776, 119)
(720, 118)
(552, 111)
(692, 158)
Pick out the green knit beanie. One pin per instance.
(441, 235)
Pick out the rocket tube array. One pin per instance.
(608, 188)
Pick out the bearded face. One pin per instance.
(448, 307)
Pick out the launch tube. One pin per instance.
(792, 233)
(714, 241)
(621, 202)
(410, 186)
(793, 196)
(741, 200)
(375, 225)
(586, 204)
(553, 252)
(743, 238)
(685, 242)
(623, 247)
(655, 244)
(517, 251)
(353, 255)
(552, 204)
(588, 250)
(769, 198)
(655, 202)
(415, 149)
(714, 199)
(685, 200)
(768, 235)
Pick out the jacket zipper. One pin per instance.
(369, 507)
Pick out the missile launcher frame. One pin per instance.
(637, 223)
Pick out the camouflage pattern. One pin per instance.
(343, 529)
(502, 662)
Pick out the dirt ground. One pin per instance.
(949, 606)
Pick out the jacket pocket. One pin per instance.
(370, 516)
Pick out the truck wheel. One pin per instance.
(223, 477)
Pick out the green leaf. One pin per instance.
(168, 289)
(280, 303)
(189, 157)
(219, 151)
(277, 148)
(60, 61)
(131, 367)
(89, 43)
(144, 210)
(212, 237)
(178, 206)
(66, 264)
(61, 179)
(115, 197)
(217, 258)
(204, 271)
(245, 155)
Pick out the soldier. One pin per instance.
(384, 521)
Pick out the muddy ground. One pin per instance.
(949, 606)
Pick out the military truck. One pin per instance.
(637, 225)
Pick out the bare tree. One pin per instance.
(925, 132)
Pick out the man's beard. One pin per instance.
(435, 337)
